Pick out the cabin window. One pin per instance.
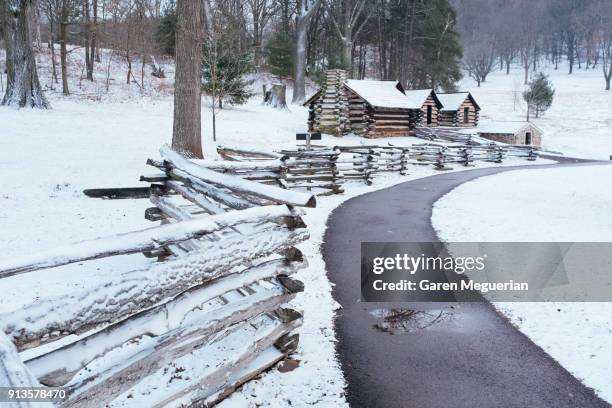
(466, 115)
(528, 138)
(429, 114)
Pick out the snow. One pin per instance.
(544, 205)
(452, 101)
(94, 139)
(384, 94)
(579, 120)
(417, 97)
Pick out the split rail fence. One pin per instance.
(323, 170)
(207, 313)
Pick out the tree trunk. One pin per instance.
(93, 27)
(63, 50)
(52, 44)
(299, 74)
(87, 40)
(299, 83)
(348, 50)
(570, 54)
(276, 96)
(128, 57)
(608, 84)
(187, 131)
(22, 85)
(257, 41)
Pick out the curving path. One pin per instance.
(474, 359)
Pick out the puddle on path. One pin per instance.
(400, 321)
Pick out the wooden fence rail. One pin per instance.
(205, 314)
(324, 170)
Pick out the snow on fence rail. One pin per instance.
(206, 316)
(324, 170)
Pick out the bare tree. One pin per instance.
(22, 85)
(90, 28)
(349, 22)
(51, 11)
(186, 131)
(479, 58)
(67, 11)
(261, 13)
(604, 29)
(304, 14)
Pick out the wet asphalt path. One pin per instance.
(474, 359)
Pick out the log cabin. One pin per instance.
(368, 108)
(517, 133)
(459, 110)
(381, 108)
(429, 106)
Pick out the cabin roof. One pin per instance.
(312, 98)
(383, 94)
(506, 127)
(419, 96)
(453, 101)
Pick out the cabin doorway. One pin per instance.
(466, 115)
(528, 138)
(429, 114)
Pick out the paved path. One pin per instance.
(472, 359)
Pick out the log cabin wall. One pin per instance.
(456, 118)
(329, 108)
(448, 118)
(430, 101)
(360, 113)
(373, 121)
(390, 122)
(472, 119)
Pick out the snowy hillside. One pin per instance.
(579, 121)
(578, 334)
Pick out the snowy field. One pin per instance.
(96, 138)
(558, 205)
(579, 122)
(93, 139)
(48, 157)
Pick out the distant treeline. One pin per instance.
(526, 31)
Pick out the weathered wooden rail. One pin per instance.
(477, 143)
(205, 314)
(324, 170)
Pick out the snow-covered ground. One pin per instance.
(48, 157)
(544, 205)
(579, 121)
(96, 138)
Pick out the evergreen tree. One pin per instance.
(223, 75)
(166, 29)
(441, 53)
(279, 54)
(539, 96)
